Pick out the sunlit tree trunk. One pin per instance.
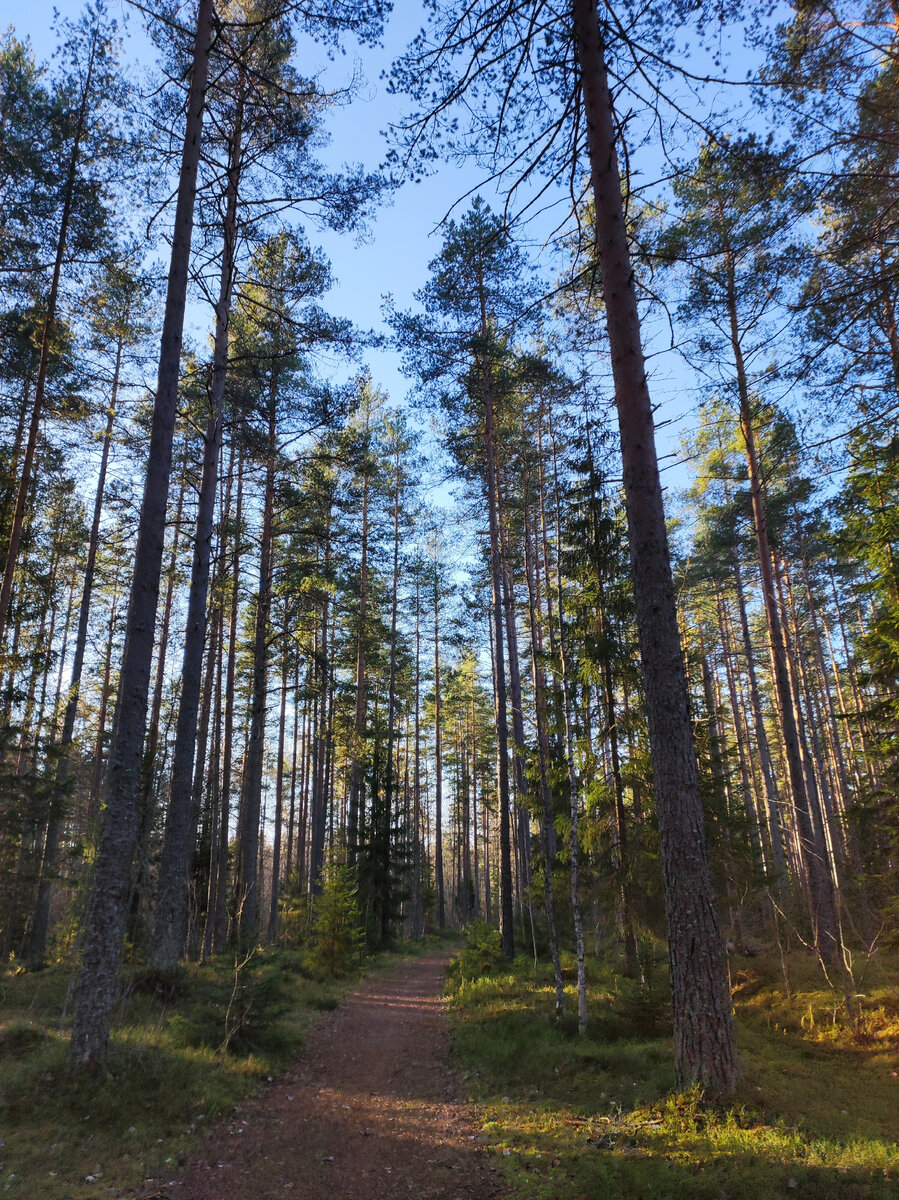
(705, 1048)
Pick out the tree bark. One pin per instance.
(18, 517)
(109, 898)
(272, 932)
(705, 1048)
(506, 920)
(40, 924)
(547, 829)
(247, 906)
(178, 839)
(359, 715)
(438, 759)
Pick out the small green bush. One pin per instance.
(643, 1005)
(338, 937)
(483, 949)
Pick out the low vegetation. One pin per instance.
(184, 1051)
(570, 1117)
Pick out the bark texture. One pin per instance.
(112, 875)
(705, 1049)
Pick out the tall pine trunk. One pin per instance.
(68, 200)
(705, 1047)
(438, 761)
(247, 909)
(179, 836)
(272, 931)
(112, 873)
(547, 828)
(40, 923)
(352, 838)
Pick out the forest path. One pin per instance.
(370, 1111)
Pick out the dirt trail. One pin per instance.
(369, 1112)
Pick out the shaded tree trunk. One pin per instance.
(109, 898)
(40, 923)
(438, 762)
(179, 836)
(247, 903)
(547, 829)
(68, 200)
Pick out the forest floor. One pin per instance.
(598, 1117)
(367, 1096)
(370, 1111)
(300, 1093)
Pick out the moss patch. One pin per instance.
(568, 1118)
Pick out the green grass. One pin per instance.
(180, 1057)
(570, 1118)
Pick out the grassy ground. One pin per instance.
(179, 1058)
(569, 1118)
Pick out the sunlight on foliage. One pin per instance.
(569, 1118)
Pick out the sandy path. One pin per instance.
(369, 1112)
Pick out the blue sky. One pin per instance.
(394, 255)
(404, 237)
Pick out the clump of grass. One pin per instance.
(571, 1117)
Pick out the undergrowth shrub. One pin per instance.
(338, 936)
(244, 1021)
(644, 1004)
(483, 949)
(293, 911)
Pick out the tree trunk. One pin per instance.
(573, 781)
(105, 694)
(506, 921)
(705, 1048)
(179, 837)
(272, 932)
(359, 715)
(18, 516)
(247, 908)
(39, 928)
(773, 801)
(519, 757)
(109, 898)
(383, 838)
(547, 829)
(220, 916)
(320, 772)
(438, 760)
(417, 910)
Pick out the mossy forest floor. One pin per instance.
(563, 1117)
(596, 1117)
